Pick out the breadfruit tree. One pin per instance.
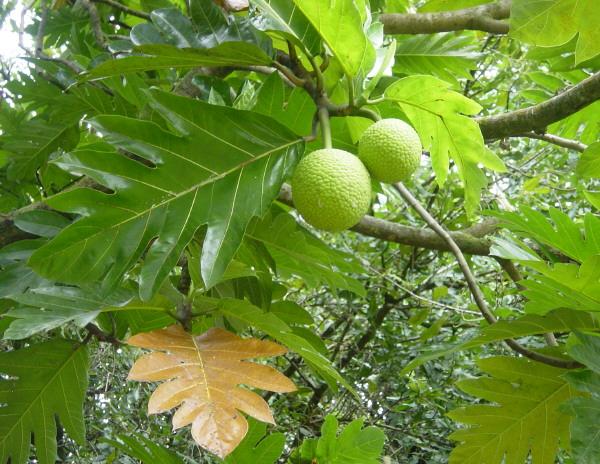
(299, 231)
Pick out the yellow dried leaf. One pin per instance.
(203, 374)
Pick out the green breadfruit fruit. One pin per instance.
(331, 189)
(391, 150)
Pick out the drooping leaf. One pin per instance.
(208, 173)
(164, 56)
(211, 23)
(296, 252)
(340, 24)
(172, 25)
(548, 23)
(33, 143)
(589, 164)
(15, 276)
(38, 383)
(41, 222)
(524, 416)
(207, 28)
(280, 331)
(446, 56)
(145, 316)
(144, 449)
(559, 231)
(560, 320)
(46, 308)
(583, 125)
(564, 286)
(256, 447)
(440, 116)
(296, 112)
(202, 375)
(354, 445)
(284, 17)
(585, 430)
(587, 351)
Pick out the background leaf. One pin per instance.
(524, 418)
(46, 379)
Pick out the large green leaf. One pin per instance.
(284, 17)
(164, 56)
(557, 321)
(524, 418)
(440, 116)
(446, 56)
(354, 445)
(559, 231)
(279, 330)
(548, 23)
(339, 22)
(222, 168)
(46, 308)
(38, 383)
(298, 253)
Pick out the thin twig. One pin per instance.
(39, 37)
(556, 140)
(94, 331)
(472, 283)
(126, 9)
(96, 23)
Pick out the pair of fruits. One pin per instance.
(332, 188)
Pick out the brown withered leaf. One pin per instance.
(203, 375)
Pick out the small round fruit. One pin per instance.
(391, 150)
(331, 189)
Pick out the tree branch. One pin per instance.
(96, 23)
(556, 140)
(487, 18)
(125, 9)
(472, 283)
(470, 243)
(536, 118)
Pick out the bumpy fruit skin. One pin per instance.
(331, 189)
(391, 150)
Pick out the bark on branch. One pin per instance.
(487, 18)
(537, 117)
(470, 240)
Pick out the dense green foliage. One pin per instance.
(146, 153)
